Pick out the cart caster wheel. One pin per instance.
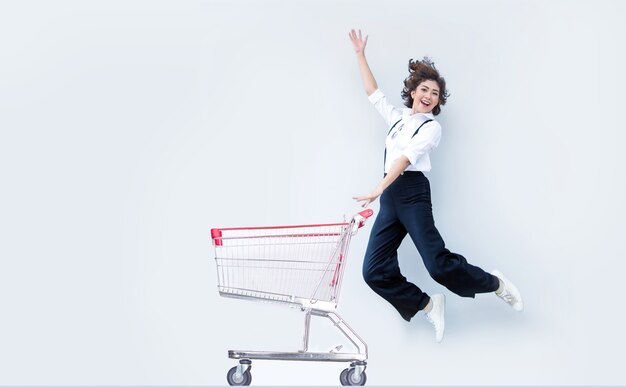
(347, 377)
(244, 379)
(342, 377)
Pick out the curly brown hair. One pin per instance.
(420, 71)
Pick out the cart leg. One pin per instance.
(307, 325)
(345, 329)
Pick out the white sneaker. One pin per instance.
(510, 294)
(435, 316)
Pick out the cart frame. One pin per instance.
(314, 305)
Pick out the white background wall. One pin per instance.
(130, 128)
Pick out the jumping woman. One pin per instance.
(405, 204)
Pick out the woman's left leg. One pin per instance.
(447, 268)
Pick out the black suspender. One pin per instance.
(392, 127)
(418, 128)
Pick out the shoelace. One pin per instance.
(508, 298)
(432, 322)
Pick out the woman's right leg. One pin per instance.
(380, 266)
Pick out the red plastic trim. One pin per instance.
(216, 235)
(283, 226)
(279, 236)
(367, 213)
(336, 274)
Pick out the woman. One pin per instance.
(405, 205)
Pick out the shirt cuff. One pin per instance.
(374, 97)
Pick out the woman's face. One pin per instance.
(425, 96)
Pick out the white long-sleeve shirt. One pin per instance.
(400, 141)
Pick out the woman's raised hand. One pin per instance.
(357, 41)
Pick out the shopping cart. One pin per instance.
(299, 265)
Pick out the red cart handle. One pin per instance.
(367, 213)
(362, 216)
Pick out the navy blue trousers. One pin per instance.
(405, 207)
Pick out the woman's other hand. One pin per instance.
(367, 199)
(357, 41)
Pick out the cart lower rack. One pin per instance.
(298, 265)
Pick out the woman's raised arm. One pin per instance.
(366, 74)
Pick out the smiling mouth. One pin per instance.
(425, 103)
